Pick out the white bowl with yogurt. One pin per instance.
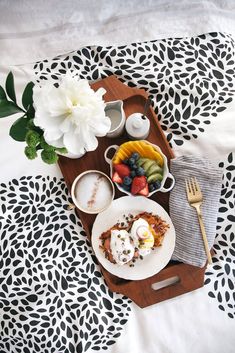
(92, 191)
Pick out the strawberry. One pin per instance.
(138, 183)
(122, 170)
(116, 178)
(144, 191)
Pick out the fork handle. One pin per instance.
(207, 249)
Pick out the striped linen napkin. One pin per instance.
(189, 246)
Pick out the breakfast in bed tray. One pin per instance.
(121, 193)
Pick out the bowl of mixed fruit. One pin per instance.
(139, 168)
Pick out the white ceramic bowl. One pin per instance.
(166, 173)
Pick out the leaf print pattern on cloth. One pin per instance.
(220, 278)
(52, 294)
(189, 80)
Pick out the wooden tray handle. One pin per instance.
(173, 280)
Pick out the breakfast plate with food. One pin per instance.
(134, 238)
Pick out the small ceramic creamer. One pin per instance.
(114, 110)
(137, 126)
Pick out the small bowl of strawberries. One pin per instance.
(139, 168)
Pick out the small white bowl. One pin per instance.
(92, 191)
(166, 173)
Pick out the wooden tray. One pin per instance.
(187, 277)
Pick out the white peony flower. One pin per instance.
(71, 115)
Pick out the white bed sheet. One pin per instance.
(35, 30)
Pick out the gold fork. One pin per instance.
(195, 198)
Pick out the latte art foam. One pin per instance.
(93, 192)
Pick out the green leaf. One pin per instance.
(19, 129)
(2, 94)
(27, 97)
(30, 112)
(8, 108)
(10, 89)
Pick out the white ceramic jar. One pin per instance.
(137, 126)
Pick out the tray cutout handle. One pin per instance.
(165, 283)
(112, 147)
(169, 176)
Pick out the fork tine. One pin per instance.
(187, 187)
(191, 186)
(197, 185)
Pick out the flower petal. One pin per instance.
(55, 143)
(102, 127)
(65, 125)
(74, 143)
(53, 135)
(91, 141)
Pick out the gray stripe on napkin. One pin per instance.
(189, 246)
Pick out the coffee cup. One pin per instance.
(92, 191)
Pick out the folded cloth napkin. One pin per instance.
(189, 246)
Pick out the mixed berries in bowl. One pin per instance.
(133, 177)
(139, 168)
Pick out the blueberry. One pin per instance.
(125, 161)
(133, 173)
(157, 184)
(126, 187)
(140, 171)
(135, 155)
(134, 167)
(131, 161)
(151, 187)
(127, 180)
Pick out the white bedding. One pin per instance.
(35, 30)
(200, 321)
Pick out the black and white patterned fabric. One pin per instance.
(220, 279)
(51, 286)
(52, 295)
(190, 80)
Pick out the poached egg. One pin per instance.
(142, 236)
(121, 247)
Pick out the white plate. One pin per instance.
(152, 263)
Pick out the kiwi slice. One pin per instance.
(141, 161)
(148, 164)
(154, 177)
(154, 169)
